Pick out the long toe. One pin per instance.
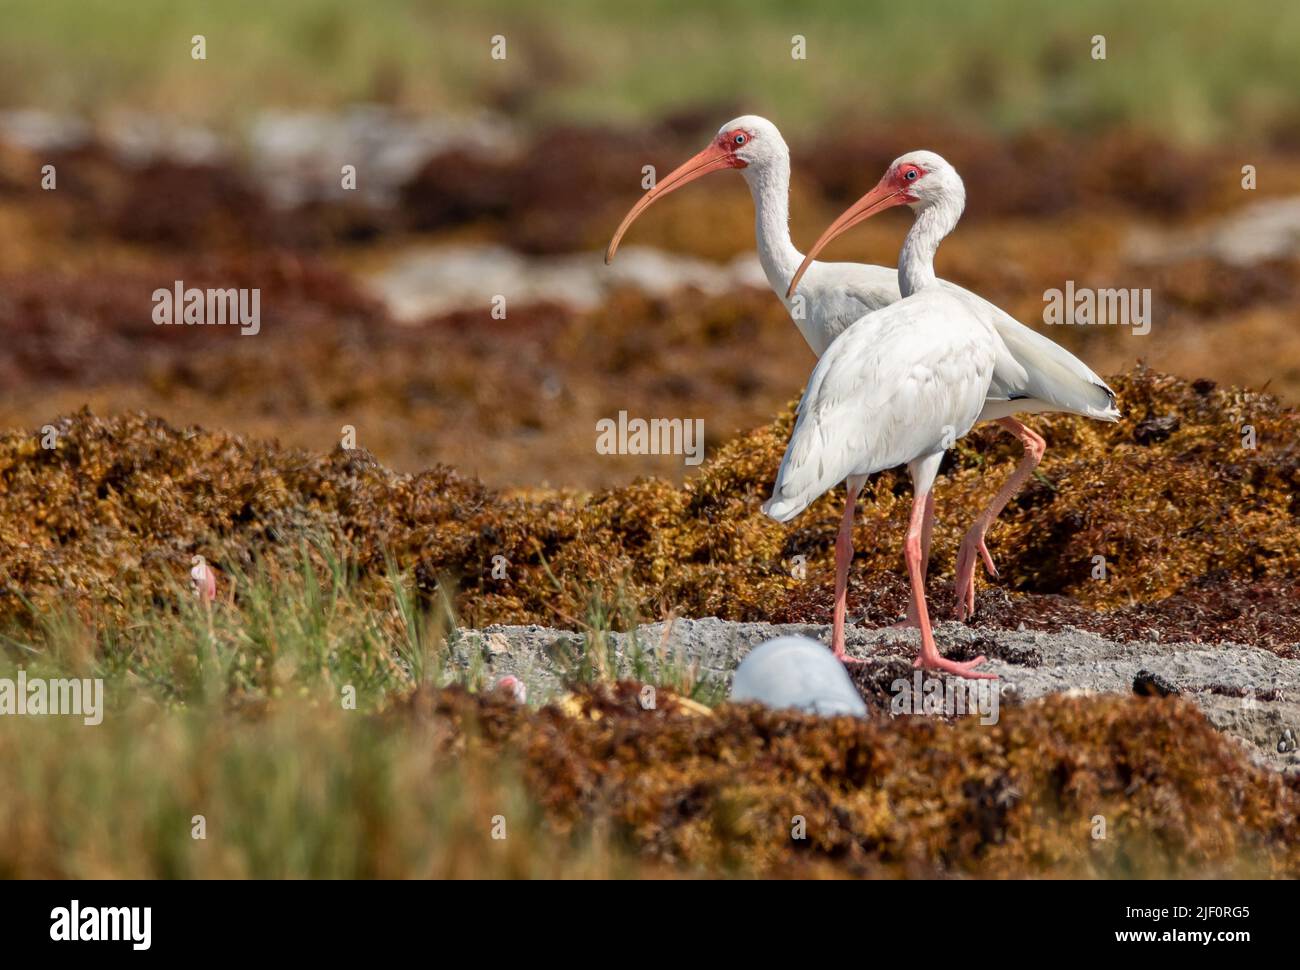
(959, 668)
(988, 559)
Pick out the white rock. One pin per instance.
(435, 280)
(1267, 229)
(297, 156)
(799, 673)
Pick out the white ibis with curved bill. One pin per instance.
(898, 387)
(834, 295)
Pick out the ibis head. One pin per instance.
(918, 179)
(748, 142)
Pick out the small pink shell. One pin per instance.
(513, 686)
(204, 581)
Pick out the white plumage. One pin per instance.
(1033, 374)
(898, 387)
(835, 295)
(832, 296)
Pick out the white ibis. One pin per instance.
(834, 295)
(898, 387)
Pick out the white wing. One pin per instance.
(837, 295)
(899, 384)
(1033, 374)
(1053, 378)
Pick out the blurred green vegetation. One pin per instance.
(239, 712)
(1198, 70)
(305, 627)
(303, 791)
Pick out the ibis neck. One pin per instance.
(770, 187)
(916, 261)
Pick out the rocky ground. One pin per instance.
(1247, 692)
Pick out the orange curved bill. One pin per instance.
(712, 159)
(883, 196)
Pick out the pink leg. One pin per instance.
(912, 553)
(972, 546)
(926, 530)
(843, 558)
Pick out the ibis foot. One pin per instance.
(959, 668)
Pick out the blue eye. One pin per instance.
(911, 175)
(739, 139)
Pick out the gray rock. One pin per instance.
(140, 139)
(43, 131)
(1267, 229)
(429, 281)
(1247, 692)
(296, 156)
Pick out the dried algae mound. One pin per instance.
(1172, 498)
(910, 796)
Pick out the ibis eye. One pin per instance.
(739, 139)
(910, 175)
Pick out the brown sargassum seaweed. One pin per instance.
(1170, 497)
(1198, 533)
(1064, 786)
